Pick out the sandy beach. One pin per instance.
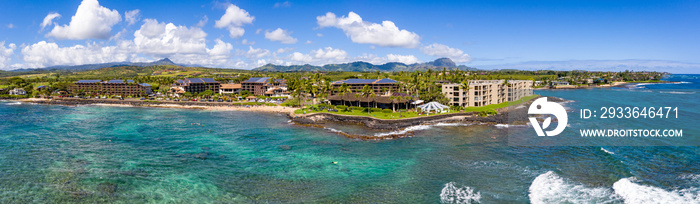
(202, 106)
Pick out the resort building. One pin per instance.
(277, 91)
(230, 89)
(379, 86)
(486, 92)
(256, 85)
(196, 85)
(518, 89)
(384, 102)
(18, 91)
(111, 87)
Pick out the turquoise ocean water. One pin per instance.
(90, 154)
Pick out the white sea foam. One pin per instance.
(508, 125)
(678, 92)
(13, 103)
(550, 188)
(606, 151)
(636, 193)
(453, 194)
(404, 131)
(417, 128)
(332, 130)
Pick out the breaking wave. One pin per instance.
(417, 128)
(333, 130)
(678, 92)
(508, 125)
(636, 193)
(550, 188)
(453, 194)
(13, 103)
(606, 151)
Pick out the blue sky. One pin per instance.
(248, 34)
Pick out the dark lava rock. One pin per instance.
(285, 147)
(202, 156)
(107, 187)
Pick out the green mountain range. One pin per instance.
(359, 66)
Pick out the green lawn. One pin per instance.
(404, 114)
(380, 115)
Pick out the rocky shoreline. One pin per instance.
(513, 115)
(507, 115)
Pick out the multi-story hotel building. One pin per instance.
(486, 92)
(377, 85)
(256, 85)
(111, 87)
(519, 89)
(196, 85)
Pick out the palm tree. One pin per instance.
(366, 93)
(344, 89)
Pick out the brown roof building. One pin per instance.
(230, 88)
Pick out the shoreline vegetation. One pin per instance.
(504, 113)
(162, 104)
(311, 93)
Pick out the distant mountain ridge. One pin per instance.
(360, 66)
(603, 65)
(85, 67)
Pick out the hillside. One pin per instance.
(359, 66)
(85, 67)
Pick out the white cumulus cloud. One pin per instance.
(233, 20)
(48, 20)
(326, 55)
(90, 21)
(203, 22)
(43, 54)
(359, 31)
(161, 39)
(217, 56)
(440, 50)
(256, 53)
(406, 59)
(377, 60)
(132, 17)
(6, 54)
(280, 35)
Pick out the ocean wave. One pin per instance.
(606, 151)
(453, 194)
(404, 131)
(13, 103)
(692, 177)
(551, 188)
(678, 92)
(636, 193)
(508, 125)
(333, 130)
(417, 128)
